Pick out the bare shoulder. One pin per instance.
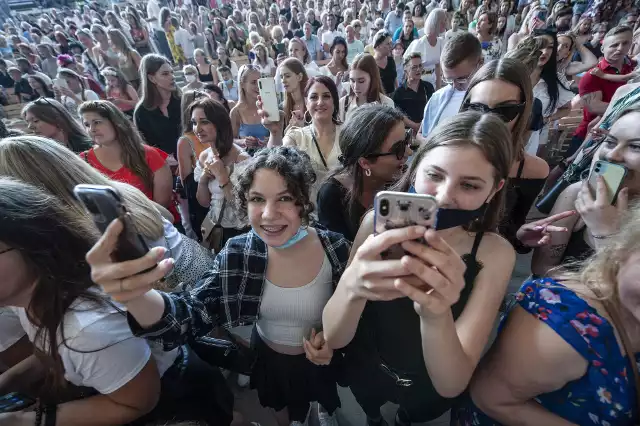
(495, 250)
(535, 167)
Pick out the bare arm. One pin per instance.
(185, 164)
(22, 376)
(520, 367)
(17, 352)
(588, 61)
(163, 186)
(593, 102)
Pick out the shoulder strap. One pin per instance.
(520, 168)
(224, 200)
(476, 244)
(315, 141)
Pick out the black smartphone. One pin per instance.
(104, 204)
(15, 402)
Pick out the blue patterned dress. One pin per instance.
(606, 394)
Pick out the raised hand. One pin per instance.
(538, 233)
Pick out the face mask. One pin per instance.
(302, 232)
(190, 78)
(228, 82)
(450, 218)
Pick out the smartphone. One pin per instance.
(15, 402)
(613, 175)
(393, 210)
(269, 96)
(60, 83)
(542, 15)
(280, 49)
(104, 204)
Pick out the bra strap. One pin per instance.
(520, 168)
(476, 244)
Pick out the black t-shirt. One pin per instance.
(536, 120)
(5, 80)
(333, 210)
(159, 130)
(23, 90)
(413, 103)
(388, 76)
(286, 12)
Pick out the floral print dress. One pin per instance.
(606, 394)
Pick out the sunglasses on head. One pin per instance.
(506, 112)
(398, 149)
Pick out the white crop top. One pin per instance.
(287, 315)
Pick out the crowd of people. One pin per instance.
(266, 258)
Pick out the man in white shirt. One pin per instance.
(461, 58)
(354, 46)
(184, 40)
(159, 38)
(328, 36)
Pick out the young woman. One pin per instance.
(568, 44)
(128, 58)
(216, 165)
(190, 73)
(170, 30)
(115, 23)
(157, 116)
(430, 46)
(320, 139)
(486, 33)
(219, 31)
(235, 44)
(263, 62)
(503, 87)
(139, 33)
(119, 91)
(196, 36)
(102, 51)
(580, 365)
(294, 268)
(386, 65)
(206, 70)
(593, 225)
(40, 87)
(247, 125)
(294, 81)
(406, 35)
(374, 146)
(210, 44)
(224, 60)
(298, 49)
(75, 92)
(337, 68)
(50, 119)
(90, 62)
(440, 305)
(366, 86)
(547, 87)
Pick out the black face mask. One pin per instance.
(450, 218)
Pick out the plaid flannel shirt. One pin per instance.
(229, 295)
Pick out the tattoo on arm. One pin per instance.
(557, 250)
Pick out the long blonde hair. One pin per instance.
(51, 166)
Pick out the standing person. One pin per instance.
(139, 33)
(406, 35)
(119, 91)
(176, 51)
(430, 47)
(461, 58)
(366, 86)
(128, 58)
(486, 33)
(384, 61)
(430, 342)
(393, 21)
(597, 92)
(374, 146)
(102, 51)
(75, 92)
(157, 116)
(354, 46)
(159, 35)
(412, 96)
(50, 119)
(206, 70)
(89, 60)
(183, 40)
(245, 121)
(224, 59)
(314, 46)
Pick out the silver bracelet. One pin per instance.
(601, 237)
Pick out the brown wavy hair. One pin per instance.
(296, 67)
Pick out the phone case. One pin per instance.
(269, 96)
(15, 402)
(104, 205)
(613, 175)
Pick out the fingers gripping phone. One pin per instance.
(269, 96)
(104, 204)
(613, 175)
(393, 210)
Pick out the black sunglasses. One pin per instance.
(398, 149)
(506, 112)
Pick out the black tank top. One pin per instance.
(205, 77)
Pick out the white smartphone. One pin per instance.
(269, 96)
(613, 175)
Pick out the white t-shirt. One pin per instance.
(99, 350)
(265, 70)
(10, 328)
(153, 11)
(430, 56)
(328, 36)
(354, 49)
(183, 39)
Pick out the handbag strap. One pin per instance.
(224, 200)
(614, 314)
(315, 141)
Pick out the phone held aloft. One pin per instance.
(104, 204)
(393, 210)
(613, 176)
(269, 97)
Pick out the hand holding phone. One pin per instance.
(612, 174)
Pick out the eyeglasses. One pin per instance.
(398, 149)
(7, 250)
(506, 112)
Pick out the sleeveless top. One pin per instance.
(128, 67)
(205, 77)
(606, 394)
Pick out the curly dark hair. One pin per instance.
(290, 163)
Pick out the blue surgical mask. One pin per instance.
(228, 82)
(450, 218)
(302, 232)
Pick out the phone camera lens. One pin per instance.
(404, 206)
(384, 207)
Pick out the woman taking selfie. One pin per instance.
(366, 86)
(374, 146)
(126, 379)
(120, 154)
(443, 297)
(292, 265)
(216, 165)
(582, 364)
(50, 119)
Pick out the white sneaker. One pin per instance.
(243, 381)
(326, 419)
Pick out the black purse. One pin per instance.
(225, 353)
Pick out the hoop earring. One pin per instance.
(367, 172)
(305, 117)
